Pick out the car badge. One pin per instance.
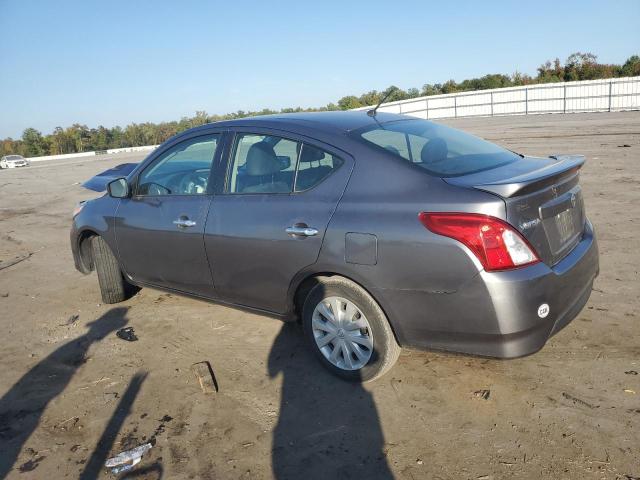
(529, 224)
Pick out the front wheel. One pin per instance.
(113, 286)
(348, 330)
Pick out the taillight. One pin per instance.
(497, 244)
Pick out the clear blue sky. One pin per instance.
(115, 62)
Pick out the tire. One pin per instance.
(385, 350)
(113, 287)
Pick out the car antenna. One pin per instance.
(373, 111)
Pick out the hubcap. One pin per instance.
(342, 333)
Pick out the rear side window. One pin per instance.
(394, 142)
(440, 150)
(314, 166)
(271, 164)
(263, 164)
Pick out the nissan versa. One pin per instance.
(374, 230)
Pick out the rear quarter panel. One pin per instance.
(383, 198)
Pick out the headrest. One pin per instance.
(434, 151)
(311, 154)
(262, 160)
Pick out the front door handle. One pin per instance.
(301, 231)
(184, 223)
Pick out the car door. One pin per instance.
(270, 219)
(159, 230)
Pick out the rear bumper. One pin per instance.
(496, 313)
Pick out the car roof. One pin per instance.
(333, 121)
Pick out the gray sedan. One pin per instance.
(375, 231)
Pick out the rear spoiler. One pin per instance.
(520, 182)
(99, 182)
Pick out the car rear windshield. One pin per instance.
(442, 151)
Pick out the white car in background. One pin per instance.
(13, 161)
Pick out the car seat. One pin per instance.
(262, 169)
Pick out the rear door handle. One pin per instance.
(184, 223)
(299, 231)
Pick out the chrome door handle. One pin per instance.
(302, 231)
(184, 223)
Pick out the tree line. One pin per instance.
(80, 138)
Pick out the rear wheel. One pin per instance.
(348, 330)
(113, 286)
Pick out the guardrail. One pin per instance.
(92, 153)
(611, 95)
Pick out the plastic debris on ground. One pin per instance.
(578, 401)
(127, 334)
(71, 320)
(125, 461)
(484, 394)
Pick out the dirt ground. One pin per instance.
(74, 394)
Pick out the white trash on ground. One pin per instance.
(127, 460)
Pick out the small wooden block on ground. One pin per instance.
(205, 376)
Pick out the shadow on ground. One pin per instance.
(327, 427)
(106, 441)
(22, 406)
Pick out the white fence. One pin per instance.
(611, 95)
(92, 154)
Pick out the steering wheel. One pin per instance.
(194, 183)
(155, 189)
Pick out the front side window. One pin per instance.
(440, 150)
(182, 170)
(263, 164)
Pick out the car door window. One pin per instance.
(314, 166)
(263, 164)
(182, 170)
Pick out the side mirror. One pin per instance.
(118, 188)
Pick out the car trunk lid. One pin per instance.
(543, 200)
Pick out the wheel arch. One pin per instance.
(304, 282)
(84, 249)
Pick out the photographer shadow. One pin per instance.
(23, 405)
(327, 427)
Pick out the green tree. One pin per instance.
(349, 102)
(370, 98)
(428, 89)
(548, 72)
(413, 93)
(631, 67)
(396, 94)
(449, 86)
(33, 142)
(9, 146)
